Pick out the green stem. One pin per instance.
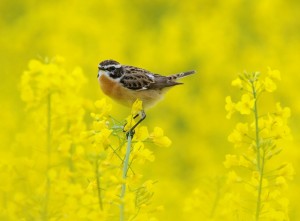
(260, 159)
(124, 175)
(257, 139)
(259, 190)
(216, 201)
(98, 185)
(48, 182)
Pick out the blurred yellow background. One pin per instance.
(219, 39)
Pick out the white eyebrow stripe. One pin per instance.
(113, 65)
(151, 76)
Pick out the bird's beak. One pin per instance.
(100, 69)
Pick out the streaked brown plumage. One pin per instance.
(125, 83)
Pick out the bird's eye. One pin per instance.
(111, 68)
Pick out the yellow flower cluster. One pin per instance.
(48, 77)
(66, 171)
(257, 142)
(106, 150)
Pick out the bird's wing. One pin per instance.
(140, 79)
(136, 78)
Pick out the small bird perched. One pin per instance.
(125, 84)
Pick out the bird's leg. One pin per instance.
(126, 123)
(136, 116)
(142, 114)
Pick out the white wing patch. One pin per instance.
(151, 76)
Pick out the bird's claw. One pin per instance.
(130, 133)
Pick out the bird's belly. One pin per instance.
(127, 96)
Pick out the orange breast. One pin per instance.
(127, 96)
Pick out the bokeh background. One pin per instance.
(218, 39)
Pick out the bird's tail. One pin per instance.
(181, 75)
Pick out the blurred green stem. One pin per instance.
(216, 200)
(48, 182)
(260, 159)
(259, 189)
(257, 139)
(98, 184)
(124, 176)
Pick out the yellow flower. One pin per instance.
(130, 122)
(44, 79)
(274, 126)
(232, 177)
(137, 107)
(99, 125)
(274, 74)
(140, 153)
(269, 84)
(244, 162)
(255, 177)
(280, 130)
(237, 83)
(231, 160)
(276, 215)
(281, 182)
(35, 65)
(282, 112)
(148, 185)
(245, 106)
(144, 193)
(237, 136)
(27, 94)
(287, 171)
(103, 106)
(274, 194)
(148, 155)
(141, 133)
(102, 137)
(255, 180)
(264, 127)
(230, 107)
(159, 139)
(284, 203)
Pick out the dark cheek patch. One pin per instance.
(116, 74)
(112, 75)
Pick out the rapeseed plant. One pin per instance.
(67, 169)
(257, 141)
(118, 184)
(44, 169)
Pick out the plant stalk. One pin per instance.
(98, 185)
(124, 175)
(260, 159)
(48, 182)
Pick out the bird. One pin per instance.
(125, 84)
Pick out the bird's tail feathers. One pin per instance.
(181, 75)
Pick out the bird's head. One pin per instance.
(110, 68)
